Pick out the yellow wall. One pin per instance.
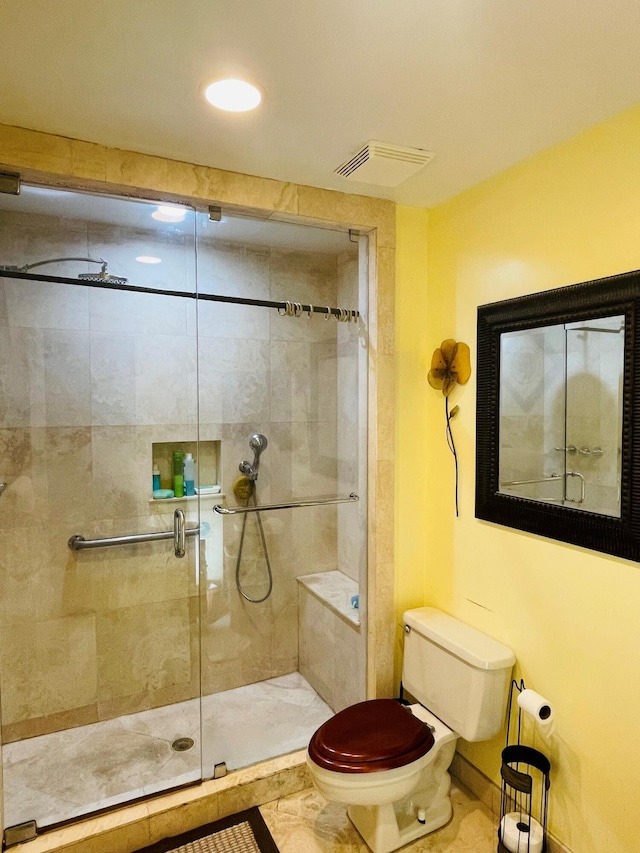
(567, 215)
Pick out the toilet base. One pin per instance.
(387, 827)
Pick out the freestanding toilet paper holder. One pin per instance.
(524, 796)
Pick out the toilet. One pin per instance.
(389, 761)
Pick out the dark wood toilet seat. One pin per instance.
(379, 734)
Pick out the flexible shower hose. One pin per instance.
(264, 549)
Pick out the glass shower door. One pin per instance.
(99, 632)
(285, 397)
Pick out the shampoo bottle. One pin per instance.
(189, 475)
(156, 478)
(178, 474)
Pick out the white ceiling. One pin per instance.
(482, 83)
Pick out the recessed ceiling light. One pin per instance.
(148, 259)
(235, 96)
(169, 213)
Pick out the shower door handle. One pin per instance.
(179, 536)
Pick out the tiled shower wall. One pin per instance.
(89, 380)
(551, 398)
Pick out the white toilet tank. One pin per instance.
(460, 674)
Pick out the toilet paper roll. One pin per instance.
(537, 706)
(521, 833)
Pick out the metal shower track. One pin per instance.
(284, 307)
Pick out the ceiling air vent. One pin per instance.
(384, 164)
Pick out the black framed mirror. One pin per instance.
(558, 396)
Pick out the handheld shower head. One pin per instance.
(258, 443)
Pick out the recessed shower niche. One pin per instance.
(206, 456)
(112, 651)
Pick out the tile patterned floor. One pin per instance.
(307, 822)
(59, 776)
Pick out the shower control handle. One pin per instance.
(179, 536)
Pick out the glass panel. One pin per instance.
(100, 662)
(561, 414)
(282, 645)
(532, 413)
(595, 356)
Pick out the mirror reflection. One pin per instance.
(560, 414)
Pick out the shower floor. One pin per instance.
(67, 774)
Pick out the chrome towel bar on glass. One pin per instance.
(293, 505)
(178, 534)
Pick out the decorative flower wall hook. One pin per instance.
(450, 366)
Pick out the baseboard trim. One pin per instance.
(489, 794)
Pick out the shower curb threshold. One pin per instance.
(126, 829)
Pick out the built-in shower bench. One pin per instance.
(335, 590)
(331, 646)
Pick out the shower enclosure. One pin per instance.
(561, 392)
(130, 661)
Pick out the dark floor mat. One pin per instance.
(245, 832)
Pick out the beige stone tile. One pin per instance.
(30, 237)
(22, 391)
(44, 152)
(385, 324)
(349, 681)
(163, 177)
(143, 648)
(51, 723)
(244, 796)
(119, 828)
(191, 813)
(67, 377)
(249, 192)
(385, 385)
(174, 245)
(229, 269)
(32, 582)
(305, 821)
(53, 666)
(110, 579)
(317, 646)
(112, 366)
(120, 476)
(68, 465)
(476, 782)
(355, 210)
(24, 470)
(122, 839)
(165, 369)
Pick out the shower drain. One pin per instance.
(182, 744)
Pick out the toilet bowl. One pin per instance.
(388, 762)
(397, 786)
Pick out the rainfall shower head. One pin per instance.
(257, 443)
(103, 275)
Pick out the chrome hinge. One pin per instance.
(215, 213)
(9, 183)
(220, 770)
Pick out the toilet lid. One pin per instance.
(379, 734)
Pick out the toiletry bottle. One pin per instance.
(189, 475)
(178, 475)
(156, 478)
